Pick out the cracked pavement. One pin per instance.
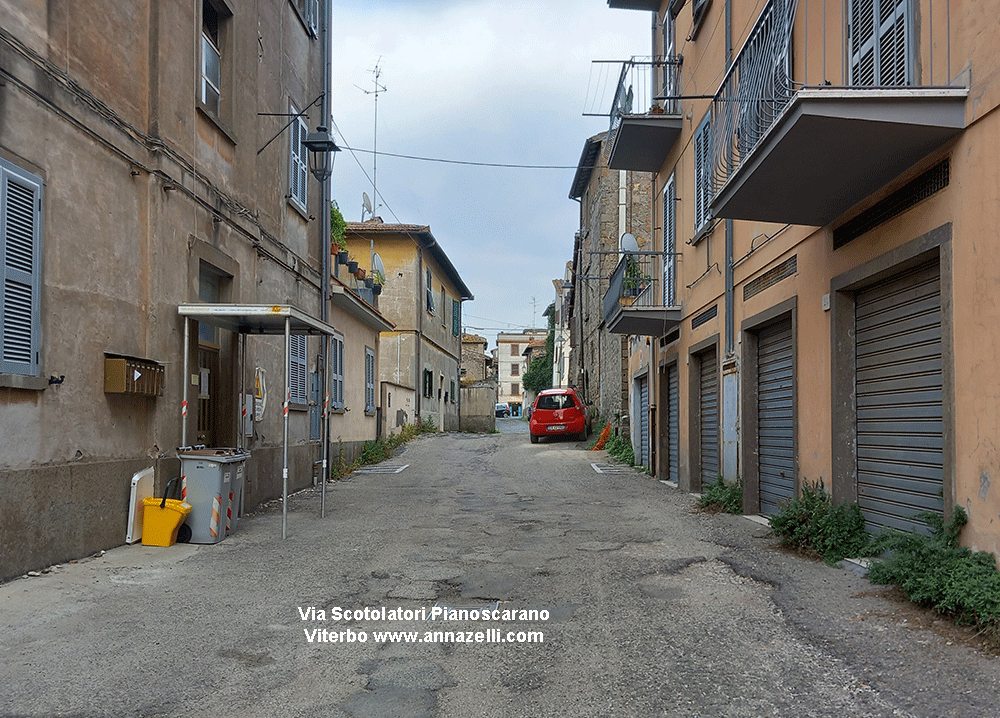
(653, 609)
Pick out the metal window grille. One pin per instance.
(771, 277)
(705, 316)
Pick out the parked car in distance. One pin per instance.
(503, 409)
(559, 412)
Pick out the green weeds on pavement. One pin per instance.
(374, 452)
(812, 523)
(721, 496)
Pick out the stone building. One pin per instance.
(151, 157)
(473, 358)
(612, 204)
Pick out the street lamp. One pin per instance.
(321, 148)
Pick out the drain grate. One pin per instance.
(612, 469)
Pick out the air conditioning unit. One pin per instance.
(131, 375)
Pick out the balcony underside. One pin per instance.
(648, 5)
(830, 149)
(644, 321)
(643, 142)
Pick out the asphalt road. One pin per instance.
(652, 609)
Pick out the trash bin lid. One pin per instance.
(221, 454)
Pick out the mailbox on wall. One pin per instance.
(131, 375)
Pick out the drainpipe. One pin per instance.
(418, 339)
(324, 253)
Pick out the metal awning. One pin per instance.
(260, 319)
(255, 318)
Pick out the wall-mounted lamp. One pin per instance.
(321, 148)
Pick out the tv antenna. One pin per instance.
(378, 88)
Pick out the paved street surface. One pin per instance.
(512, 425)
(652, 609)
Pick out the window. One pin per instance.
(430, 291)
(298, 375)
(702, 173)
(211, 59)
(20, 283)
(515, 369)
(669, 51)
(308, 11)
(337, 371)
(515, 388)
(456, 317)
(444, 304)
(369, 381)
(669, 242)
(513, 350)
(698, 11)
(298, 170)
(452, 391)
(880, 46)
(428, 383)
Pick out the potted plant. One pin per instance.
(352, 267)
(377, 289)
(369, 283)
(656, 109)
(359, 274)
(338, 244)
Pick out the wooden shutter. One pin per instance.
(337, 372)
(880, 42)
(669, 242)
(297, 373)
(369, 380)
(703, 175)
(20, 283)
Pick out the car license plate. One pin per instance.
(557, 427)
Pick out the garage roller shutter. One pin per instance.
(775, 416)
(709, 404)
(900, 422)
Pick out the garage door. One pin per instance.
(673, 423)
(709, 405)
(899, 399)
(775, 417)
(642, 456)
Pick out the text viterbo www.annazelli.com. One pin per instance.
(490, 635)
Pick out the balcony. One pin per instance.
(636, 302)
(805, 151)
(643, 129)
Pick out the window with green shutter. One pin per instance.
(369, 381)
(21, 257)
(456, 317)
(298, 375)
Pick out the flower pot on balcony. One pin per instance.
(377, 289)
(369, 283)
(359, 274)
(352, 267)
(342, 257)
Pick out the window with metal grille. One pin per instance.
(298, 375)
(298, 172)
(369, 380)
(453, 400)
(669, 242)
(880, 43)
(708, 314)
(456, 317)
(21, 257)
(702, 173)
(337, 371)
(910, 194)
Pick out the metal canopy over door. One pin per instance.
(709, 405)
(643, 456)
(673, 423)
(900, 421)
(775, 416)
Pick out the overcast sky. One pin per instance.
(480, 81)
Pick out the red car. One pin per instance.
(559, 412)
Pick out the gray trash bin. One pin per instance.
(213, 481)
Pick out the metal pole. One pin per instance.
(325, 249)
(186, 380)
(288, 396)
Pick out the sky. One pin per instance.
(478, 81)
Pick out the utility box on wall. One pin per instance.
(130, 375)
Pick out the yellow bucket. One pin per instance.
(160, 523)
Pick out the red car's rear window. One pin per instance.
(554, 402)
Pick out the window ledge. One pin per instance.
(298, 407)
(215, 120)
(703, 232)
(369, 412)
(19, 381)
(304, 214)
(338, 410)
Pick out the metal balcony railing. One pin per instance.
(643, 79)
(634, 283)
(880, 47)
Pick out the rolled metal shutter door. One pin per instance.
(900, 417)
(775, 416)
(643, 456)
(673, 423)
(709, 404)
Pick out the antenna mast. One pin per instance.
(377, 88)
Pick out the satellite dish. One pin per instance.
(629, 243)
(366, 202)
(377, 265)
